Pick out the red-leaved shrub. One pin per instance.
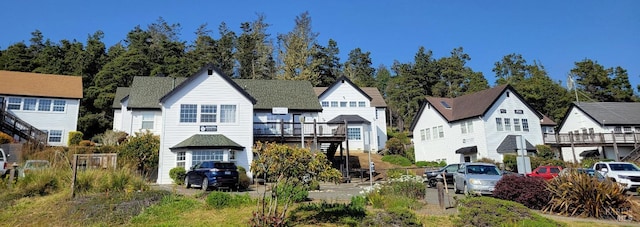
(529, 191)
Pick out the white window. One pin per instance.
(525, 125)
(361, 104)
(427, 133)
(441, 131)
(55, 136)
(211, 155)
(147, 121)
(617, 129)
(44, 105)
(499, 124)
(181, 159)
(208, 113)
(29, 104)
(353, 104)
(14, 103)
(353, 134)
(435, 132)
(627, 129)
(422, 135)
(188, 113)
(507, 124)
(232, 155)
(227, 113)
(325, 104)
(343, 104)
(516, 124)
(334, 103)
(58, 105)
(469, 126)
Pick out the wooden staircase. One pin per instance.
(14, 126)
(633, 156)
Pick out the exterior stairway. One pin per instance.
(14, 126)
(633, 156)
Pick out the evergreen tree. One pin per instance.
(255, 51)
(358, 68)
(296, 50)
(326, 63)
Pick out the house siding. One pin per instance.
(204, 89)
(374, 134)
(576, 119)
(485, 135)
(66, 121)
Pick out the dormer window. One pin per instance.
(502, 111)
(445, 104)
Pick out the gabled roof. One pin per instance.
(121, 93)
(510, 145)
(609, 113)
(376, 97)
(146, 91)
(204, 141)
(344, 79)
(40, 85)
(206, 69)
(546, 121)
(468, 106)
(293, 94)
(349, 119)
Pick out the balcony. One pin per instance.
(296, 131)
(589, 140)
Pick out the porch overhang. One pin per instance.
(467, 150)
(509, 145)
(206, 141)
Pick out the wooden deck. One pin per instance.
(592, 140)
(288, 132)
(13, 125)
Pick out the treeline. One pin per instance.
(252, 53)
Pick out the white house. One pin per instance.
(484, 124)
(594, 128)
(364, 109)
(210, 116)
(47, 102)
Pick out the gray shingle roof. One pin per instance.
(509, 145)
(146, 91)
(349, 119)
(612, 113)
(293, 94)
(121, 92)
(208, 141)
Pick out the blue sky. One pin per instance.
(554, 33)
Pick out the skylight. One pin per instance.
(445, 104)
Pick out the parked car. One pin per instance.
(590, 172)
(33, 165)
(4, 166)
(476, 178)
(430, 176)
(625, 173)
(218, 175)
(546, 172)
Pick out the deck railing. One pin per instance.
(291, 129)
(12, 124)
(594, 138)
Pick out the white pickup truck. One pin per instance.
(4, 165)
(625, 173)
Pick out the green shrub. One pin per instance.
(588, 162)
(218, 199)
(243, 180)
(75, 137)
(392, 217)
(395, 146)
(4, 138)
(297, 193)
(335, 213)
(577, 194)
(177, 174)
(406, 191)
(396, 160)
(488, 160)
(39, 183)
(395, 173)
(314, 185)
(431, 164)
(487, 211)
(545, 152)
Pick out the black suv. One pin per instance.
(218, 175)
(430, 176)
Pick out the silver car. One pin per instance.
(476, 178)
